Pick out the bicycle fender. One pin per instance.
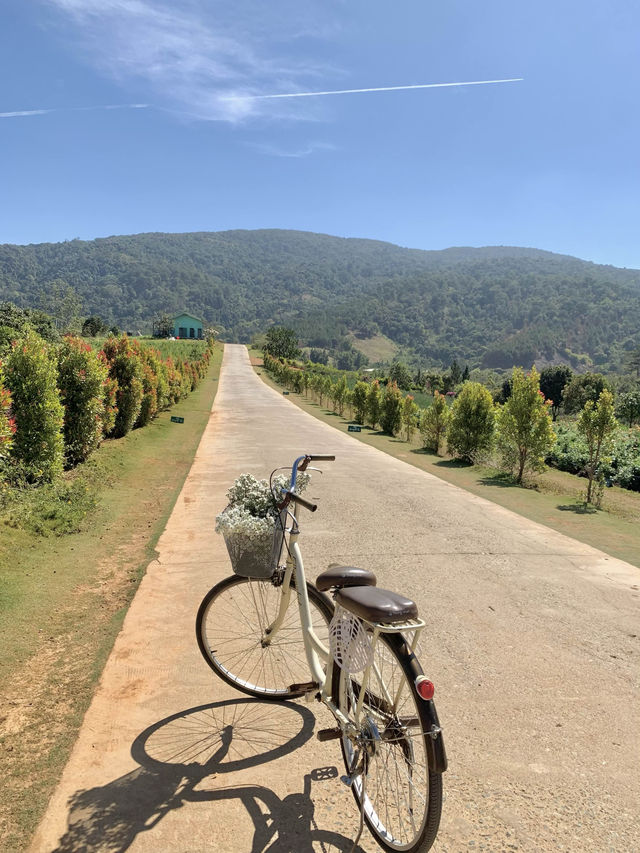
(436, 753)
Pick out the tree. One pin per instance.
(94, 326)
(391, 409)
(15, 321)
(163, 325)
(434, 422)
(524, 431)
(470, 431)
(60, 300)
(505, 391)
(581, 389)
(628, 408)
(401, 375)
(597, 424)
(281, 342)
(410, 414)
(374, 402)
(31, 377)
(359, 400)
(633, 360)
(339, 391)
(455, 371)
(319, 356)
(553, 381)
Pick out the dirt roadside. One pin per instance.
(532, 643)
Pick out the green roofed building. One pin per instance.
(187, 326)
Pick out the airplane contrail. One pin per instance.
(376, 89)
(18, 113)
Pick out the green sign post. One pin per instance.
(176, 420)
(354, 428)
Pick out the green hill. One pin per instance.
(492, 306)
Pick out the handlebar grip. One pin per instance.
(306, 504)
(322, 458)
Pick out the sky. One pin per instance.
(128, 116)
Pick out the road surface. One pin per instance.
(532, 643)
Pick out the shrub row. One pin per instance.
(58, 401)
(520, 430)
(621, 465)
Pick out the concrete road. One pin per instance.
(532, 643)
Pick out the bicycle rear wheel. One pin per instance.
(402, 796)
(230, 628)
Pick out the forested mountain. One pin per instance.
(493, 306)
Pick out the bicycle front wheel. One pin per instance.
(388, 757)
(230, 629)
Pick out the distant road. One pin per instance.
(532, 642)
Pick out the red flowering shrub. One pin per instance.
(149, 406)
(81, 378)
(31, 377)
(125, 366)
(110, 402)
(7, 421)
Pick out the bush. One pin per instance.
(125, 366)
(434, 422)
(7, 422)
(359, 400)
(31, 378)
(470, 432)
(81, 378)
(109, 402)
(391, 409)
(149, 405)
(374, 404)
(582, 389)
(53, 509)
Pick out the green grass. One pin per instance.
(554, 498)
(68, 572)
(377, 349)
(183, 349)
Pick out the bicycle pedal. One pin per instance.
(304, 687)
(329, 734)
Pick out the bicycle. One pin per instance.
(360, 654)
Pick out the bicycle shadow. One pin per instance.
(177, 754)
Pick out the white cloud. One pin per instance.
(293, 153)
(202, 57)
(17, 113)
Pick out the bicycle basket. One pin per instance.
(349, 643)
(255, 557)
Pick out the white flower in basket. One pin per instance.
(248, 524)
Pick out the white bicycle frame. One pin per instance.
(315, 651)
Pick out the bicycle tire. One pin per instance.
(229, 630)
(390, 813)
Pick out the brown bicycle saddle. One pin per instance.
(343, 576)
(377, 605)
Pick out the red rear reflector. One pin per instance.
(425, 687)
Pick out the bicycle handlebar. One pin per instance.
(306, 504)
(300, 465)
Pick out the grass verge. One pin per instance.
(554, 498)
(67, 576)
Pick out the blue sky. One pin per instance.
(551, 161)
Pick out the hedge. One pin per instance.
(31, 376)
